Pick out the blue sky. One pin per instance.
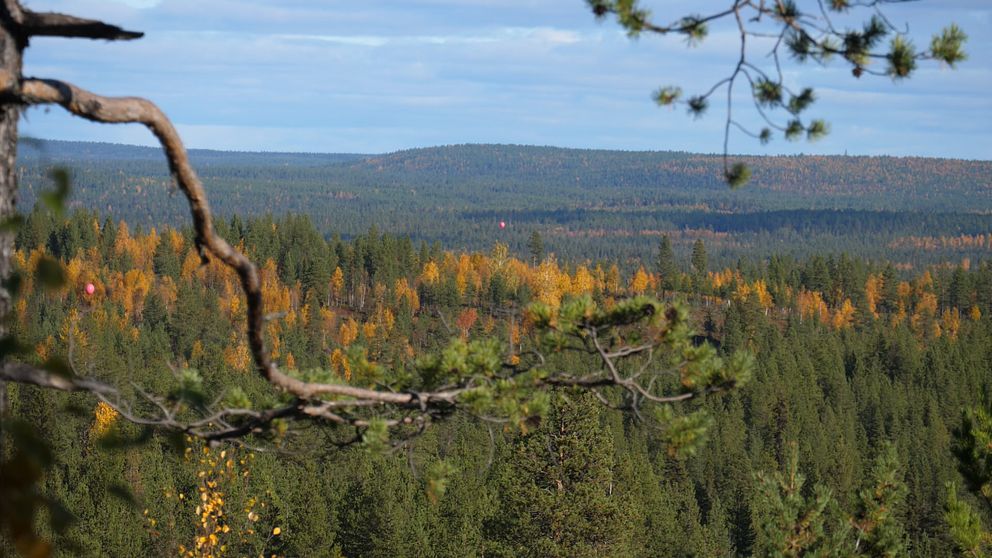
(377, 76)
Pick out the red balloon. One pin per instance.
(502, 224)
(90, 288)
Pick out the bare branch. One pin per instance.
(809, 35)
(51, 24)
(358, 408)
(97, 108)
(26, 374)
(211, 428)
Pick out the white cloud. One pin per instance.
(543, 35)
(373, 76)
(547, 35)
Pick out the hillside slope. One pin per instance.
(586, 203)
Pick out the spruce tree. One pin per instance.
(536, 247)
(790, 520)
(699, 259)
(666, 265)
(879, 523)
(557, 486)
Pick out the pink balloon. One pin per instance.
(502, 224)
(90, 288)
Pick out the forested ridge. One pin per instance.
(492, 350)
(585, 203)
(851, 356)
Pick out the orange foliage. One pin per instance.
(406, 295)
(724, 278)
(236, 354)
(960, 242)
(132, 290)
(337, 283)
(191, 264)
(844, 316)
(44, 348)
(275, 295)
(927, 304)
(811, 305)
(176, 242)
(612, 285)
(639, 282)
(326, 319)
(583, 283)
(348, 332)
(904, 290)
(764, 297)
(430, 273)
(340, 365)
(368, 330)
(545, 283)
(873, 293)
(465, 320)
(950, 321)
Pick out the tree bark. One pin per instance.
(11, 49)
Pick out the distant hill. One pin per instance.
(70, 151)
(932, 183)
(586, 203)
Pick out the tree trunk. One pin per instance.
(11, 47)
(10, 62)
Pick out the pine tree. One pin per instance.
(972, 443)
(557, 487)
(788, 522)
(384, 517)
(879, 522)
(666, 265)
(699, 259)
(536, 247)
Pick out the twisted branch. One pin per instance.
(337, 404)
(50, 24)
(26, 374)
(26, 24)
(120, 110)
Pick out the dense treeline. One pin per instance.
(585, 204)
(851, 355)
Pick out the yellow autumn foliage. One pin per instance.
(348, 332)
(236, 354)
(639, 282)
(950, 321)
(337, 283)
(340, 365)
(975, 314)
(368, 330)
(430, 273)
(873, 293)
(104, 417)
(583, 283)
(844, 316)
(217, 527)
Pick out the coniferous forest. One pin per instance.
(586, 204)
(495, 350)
(860, 432)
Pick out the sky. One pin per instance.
(383, 75)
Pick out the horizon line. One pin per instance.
(31, 139)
